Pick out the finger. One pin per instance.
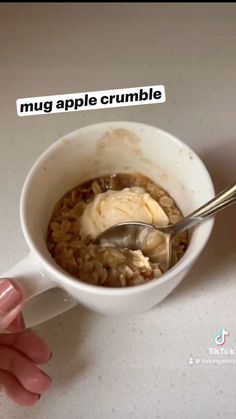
(29, 344)
(13, 389)
(18, 324)
(6, 319)
(27, 373)
(11, 301)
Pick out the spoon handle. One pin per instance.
(222, 200)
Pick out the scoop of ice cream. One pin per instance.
(113, 207)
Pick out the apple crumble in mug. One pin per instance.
(90, 208)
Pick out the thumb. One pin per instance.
(11, 301)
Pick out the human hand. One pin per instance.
(21, 351)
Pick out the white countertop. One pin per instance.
(136, 367)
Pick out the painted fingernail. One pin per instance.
(10, 297)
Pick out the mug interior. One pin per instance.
(106, 148)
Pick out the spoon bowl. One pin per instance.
(154, 242)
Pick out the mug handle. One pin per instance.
(43, 298)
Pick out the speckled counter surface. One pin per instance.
(136, 367)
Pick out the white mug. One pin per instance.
(104, 148)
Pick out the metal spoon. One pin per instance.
(154, 241)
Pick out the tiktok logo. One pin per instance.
(221, 338)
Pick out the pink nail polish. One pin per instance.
(10, 297)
